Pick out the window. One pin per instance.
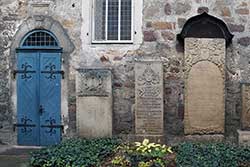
(39, 38)
(112, 21)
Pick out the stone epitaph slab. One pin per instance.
(243, 137)
(245, 115)
(149, 98)
(204, 86)
(94, 102)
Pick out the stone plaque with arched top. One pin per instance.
(204, 86)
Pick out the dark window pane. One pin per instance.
(100, 16)
(113, 7)
(126, 14)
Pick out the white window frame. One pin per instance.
(119, 41)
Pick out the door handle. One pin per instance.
(41, 109)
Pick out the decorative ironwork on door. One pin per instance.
(51, 70)
(24, 71)
(25, 126)
(52, 126)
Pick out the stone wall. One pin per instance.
(162, 20)
(8, 26)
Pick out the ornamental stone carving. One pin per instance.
(149, 77)
(93, 82)
(197, 50)
(148, 82)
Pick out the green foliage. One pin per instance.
(111, 153)
(143, 154)
(120, 161)
(75, 153)
(211, 155)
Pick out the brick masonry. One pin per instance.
(162, 20)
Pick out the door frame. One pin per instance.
(53, 26)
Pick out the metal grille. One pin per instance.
(40, 39)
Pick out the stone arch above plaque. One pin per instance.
(205, 26)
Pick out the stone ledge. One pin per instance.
(93, 68)
(205, 138)
(243, 137)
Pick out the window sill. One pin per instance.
(128, 46)
(111, 42)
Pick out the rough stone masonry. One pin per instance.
(159, 23)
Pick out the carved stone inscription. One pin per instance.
(204, 86)
(245, 115)
(94, 102)
(149, 98)
(93, 82)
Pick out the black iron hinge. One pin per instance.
(22, 125)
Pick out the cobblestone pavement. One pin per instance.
(15, 156)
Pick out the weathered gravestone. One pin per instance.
(245, 115)
(204, 86)
(243, 137)
(94, 102)
(149, 98)
(244, 133)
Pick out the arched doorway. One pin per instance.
(39, 77)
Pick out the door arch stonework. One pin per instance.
(42, 23)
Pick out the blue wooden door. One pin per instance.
(50, 98)
(27, 99)
(38, 98)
